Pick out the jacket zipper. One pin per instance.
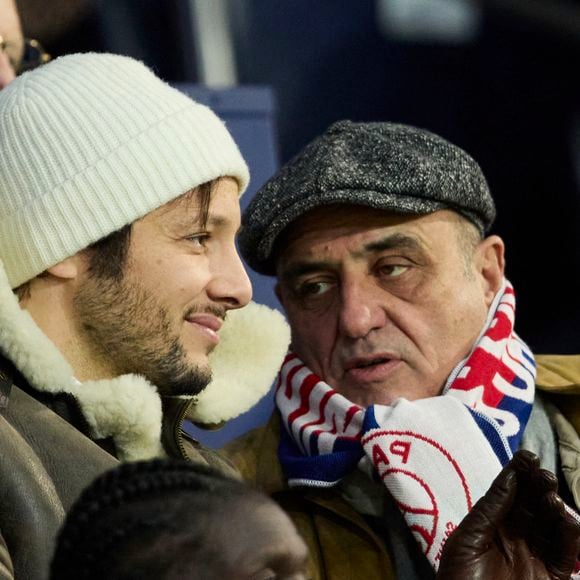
(178, 429)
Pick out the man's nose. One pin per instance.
(360, 310)
(231, 285)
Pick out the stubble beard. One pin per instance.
(131, 332)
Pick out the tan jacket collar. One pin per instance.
(558, 373)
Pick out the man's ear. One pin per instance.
(67, 269)
(490, 264)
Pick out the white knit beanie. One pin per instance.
(90, 143)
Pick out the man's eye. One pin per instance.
(392, 270)
(198, 240)
(311, 289)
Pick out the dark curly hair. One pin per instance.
(137, 520)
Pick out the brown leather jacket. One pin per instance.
(48, 458)
(342, 544)
(46, 463)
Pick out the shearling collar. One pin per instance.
(128, 408)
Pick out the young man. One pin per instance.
(406, 388)
(119, 209)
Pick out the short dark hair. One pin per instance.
(134, 521)
(108, 255)
(468, 238)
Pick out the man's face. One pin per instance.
(161, 320)
(383, 306)
(273, 550)
(244, 538)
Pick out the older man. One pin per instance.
(119, 210)
(406, 388)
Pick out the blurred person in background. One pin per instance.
(17, 53)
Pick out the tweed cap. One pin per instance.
(386, 166)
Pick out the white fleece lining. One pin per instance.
(253, 343)
(128, 408)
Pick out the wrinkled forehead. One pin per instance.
(357, 225)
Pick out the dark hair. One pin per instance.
(468, 238)
(109, 254)
(132, 522)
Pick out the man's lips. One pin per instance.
(207, 324)
(371, 368)
(368, 360)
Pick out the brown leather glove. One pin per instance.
(518, 531)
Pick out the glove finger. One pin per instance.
(534, 484)
(563, 533)
(481, 523)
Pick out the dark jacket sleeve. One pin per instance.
(30, 508)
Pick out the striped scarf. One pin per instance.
(436, 456)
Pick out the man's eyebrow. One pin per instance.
(217, 220)
(221, 221)
(188, 222)
(390, 242)
(302, 268)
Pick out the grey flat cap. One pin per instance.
(386, 166)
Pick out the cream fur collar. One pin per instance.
(128, 408)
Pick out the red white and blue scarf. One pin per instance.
(436, 456)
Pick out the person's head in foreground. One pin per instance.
(169, 520)
(119, 212)
(376, 233)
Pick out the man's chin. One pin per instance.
(200, 365)
(376, 394)
(189, 380)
